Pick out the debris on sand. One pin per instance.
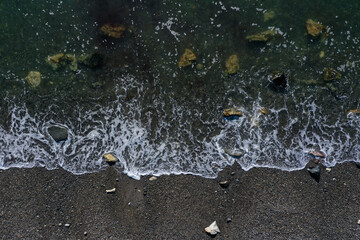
(213, 229)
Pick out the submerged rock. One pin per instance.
(59, 60)
(269, 15)
(33, 78)
(233, 152)
(314, 28)
(317, 154)
(261, 37)
(113, 30)
(56, 61)
(93, 60)
(187, 59)
(279, 80)
(153, 178)
(232, 112)
(199, 66)
(331, 74)
(264, 111)
(353, 111)
(110, 158)
(213, 229)
(232, 64)
(58, 133)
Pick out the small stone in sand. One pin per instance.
(110, 190)
(153, 178)
(224, 184)
(67, 225)
(359, 221)
(328, 169)
(213, 229)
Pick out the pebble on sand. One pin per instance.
(213, 229)
(153, 178)
(224, 184)
(111, 190)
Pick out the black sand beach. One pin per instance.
(258, 204)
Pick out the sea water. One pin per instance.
(157, 118)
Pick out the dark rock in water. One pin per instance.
(279, 80)
(58, 133)
(331, 74)
(93, 60)
(97, 85)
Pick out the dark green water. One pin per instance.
(158, 118)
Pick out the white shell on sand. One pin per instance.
(110, 190)
(213, 229)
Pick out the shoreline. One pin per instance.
(261, 203)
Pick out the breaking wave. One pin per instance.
(175, 139)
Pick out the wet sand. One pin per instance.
(258, 204)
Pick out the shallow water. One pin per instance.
(158, 118)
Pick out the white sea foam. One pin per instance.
(278, 139)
